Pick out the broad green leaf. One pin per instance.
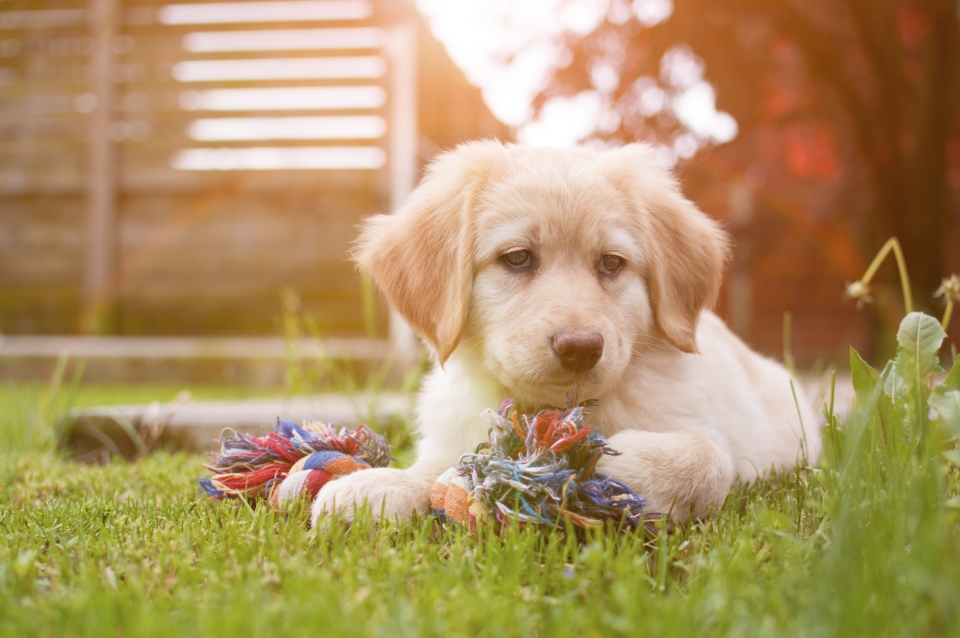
(947, 405)
(886, 416)
(864, 377)
(952, 382)
(893, 384)
(919, 337)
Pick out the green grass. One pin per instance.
(863, 545)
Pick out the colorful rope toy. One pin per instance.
(292, 462)
(537, 470)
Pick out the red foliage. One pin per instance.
(810, 152)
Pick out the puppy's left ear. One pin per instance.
(421, 256)
(687, 251)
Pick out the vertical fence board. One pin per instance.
(404, 137)
(99, 262)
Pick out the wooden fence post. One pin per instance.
(403, 164)
(98, 314)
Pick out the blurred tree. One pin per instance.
(847, 111)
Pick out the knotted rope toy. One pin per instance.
(537, 470)
(294, 461)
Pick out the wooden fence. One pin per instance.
(172, 169)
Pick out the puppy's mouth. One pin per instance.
(543, 379)
(573, 396)
(559, 390)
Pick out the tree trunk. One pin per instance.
(923, 224)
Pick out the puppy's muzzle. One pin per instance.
(579, 350)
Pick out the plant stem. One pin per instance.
(788, 342)
(894, 245)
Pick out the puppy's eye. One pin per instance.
(610, 264)
(518, 258)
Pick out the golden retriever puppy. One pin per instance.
(548, 275)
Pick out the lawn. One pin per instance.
(866, 543)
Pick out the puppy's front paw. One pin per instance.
(389, 492)
(677, 473)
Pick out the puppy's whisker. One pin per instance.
(655, 342)
(652, 337)
(477, 341)
(646, 360)
(649, 361)
(651, 340)
(652, 350)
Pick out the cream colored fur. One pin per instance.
(687, 404)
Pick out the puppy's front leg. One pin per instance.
(448, 424)
(389, 492)
(676, 472)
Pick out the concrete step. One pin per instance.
(242, 360)
(195, 426)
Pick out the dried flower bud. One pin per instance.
(949, 289)
(859, 291)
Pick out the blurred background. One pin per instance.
(196, 171)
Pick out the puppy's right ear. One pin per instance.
(686, 250)
(421, 257)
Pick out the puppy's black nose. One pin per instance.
(579, 350)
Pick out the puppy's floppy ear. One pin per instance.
(422, 255)
(686, 250)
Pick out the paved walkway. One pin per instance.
(195, 426)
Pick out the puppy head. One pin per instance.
(527, 251)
